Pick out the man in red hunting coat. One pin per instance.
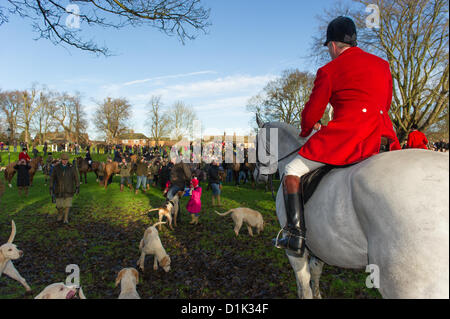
(24, 155)
(359, 87)
(416, 139)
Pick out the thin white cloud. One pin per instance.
(114, 88)
(175, 76)
(223, 104)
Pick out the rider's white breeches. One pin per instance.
(299, 166)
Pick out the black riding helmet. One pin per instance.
(342, 29)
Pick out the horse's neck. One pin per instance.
(34, 162)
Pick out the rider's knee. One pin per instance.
(292, 182)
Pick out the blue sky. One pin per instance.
(249, 43)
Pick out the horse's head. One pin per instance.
(275, 142)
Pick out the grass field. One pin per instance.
(103, 236)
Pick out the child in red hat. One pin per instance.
(194, 205)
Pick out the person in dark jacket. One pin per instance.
(141, 173)
(35, 152)
(64, 183)
(164, 174)
(23, 176)
(117, 156)
(214, 181)
(125, 168)
(45, 149)
(88, 158)
(180, 175)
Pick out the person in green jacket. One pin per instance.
(64, 183)
(125, 169)
(141, 173)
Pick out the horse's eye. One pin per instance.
(10, 249)
(61, 289)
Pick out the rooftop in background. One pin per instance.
(132, 136)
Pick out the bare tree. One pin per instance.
(413, 36)
(43, 122)
(158, 120)
(29, 106)
(181, 120)
(10, 103)
(80, 121)
(63, 112)
(56, 21)
(111, 117)
(283, 99)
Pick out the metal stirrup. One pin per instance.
(276, 242)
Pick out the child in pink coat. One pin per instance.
(195, 205)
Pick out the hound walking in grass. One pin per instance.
(151, 245)
(251, 217)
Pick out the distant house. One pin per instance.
(133, 139)
(61, 138)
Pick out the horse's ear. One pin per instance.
(258, 121)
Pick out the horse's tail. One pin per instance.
(224, 214)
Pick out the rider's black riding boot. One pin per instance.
(293, 237)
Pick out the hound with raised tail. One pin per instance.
(151, 245)
(251, 217)
(169, 210)
(9, 252)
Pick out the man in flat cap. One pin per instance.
(359, 87)
(64, 183)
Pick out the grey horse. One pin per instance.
(390, 211)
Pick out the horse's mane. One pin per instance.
(285, 127)
(288, 137)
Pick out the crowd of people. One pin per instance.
(152, 166)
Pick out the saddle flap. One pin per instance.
(311, 180)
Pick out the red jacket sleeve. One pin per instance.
(318, 101)
(410, 140)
